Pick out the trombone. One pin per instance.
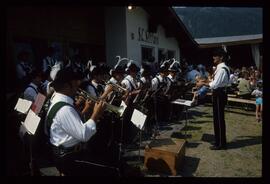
(109, 107)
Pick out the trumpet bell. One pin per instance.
(109, 107)
(118, 110)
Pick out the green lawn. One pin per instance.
(243, 158)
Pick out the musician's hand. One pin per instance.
(134, 92)
(201, 83)
(89, 103)
(79, 100)
(125, 95)
(105, 94)
(98, 110)
(87, 106)
(109, 88)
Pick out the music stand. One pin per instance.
(138, 119)
(30, 124)
(186, 104)
(121, 140)
(156, 130)
(121, 133)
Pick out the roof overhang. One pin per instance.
(173, 25)
(229, 40)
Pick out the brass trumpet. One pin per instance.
(117, 87)
(109, 107)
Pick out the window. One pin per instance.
(147, 53)
(161, 55)
(171, 54)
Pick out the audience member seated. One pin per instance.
(244, 89)
(201, 90)
(191, 75)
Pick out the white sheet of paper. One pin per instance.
(23, 105)
(31, 122)
(182, 102)
(39, 101)
(123, 104)
(138, 118)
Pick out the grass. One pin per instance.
(243, 158)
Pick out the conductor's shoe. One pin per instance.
(218, 147)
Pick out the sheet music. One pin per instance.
(39, 101)
(123, 104)
(31, 122)
(138, 118)
(23, 105)
(182, 102)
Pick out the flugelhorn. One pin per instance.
(109, 107)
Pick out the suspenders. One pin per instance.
(29, 86)
(55, 108)
(227, 71)
(130, 83)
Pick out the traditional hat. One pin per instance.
(175, 66)
(164, 66)
(119, 67)
(66, 75)
(145, 69)
(219, 52)
(54, 70)
(132, 66)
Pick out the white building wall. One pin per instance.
(139, 18)
(121, 24)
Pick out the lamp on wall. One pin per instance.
(130, 7)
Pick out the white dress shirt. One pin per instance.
(111, 81)
(48, 61)
(30, 93)
(171, 78)
(220, 77)
(155, 83)
(90, 89)
(67, 128)
(126, 82)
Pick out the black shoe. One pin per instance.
(218, 147)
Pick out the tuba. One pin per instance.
(109, 107)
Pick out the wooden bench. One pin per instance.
(165, 155)
(240, 100)
(232, 95)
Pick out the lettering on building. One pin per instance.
(146, 36)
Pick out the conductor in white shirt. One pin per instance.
(218, 85)
(66, 130)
